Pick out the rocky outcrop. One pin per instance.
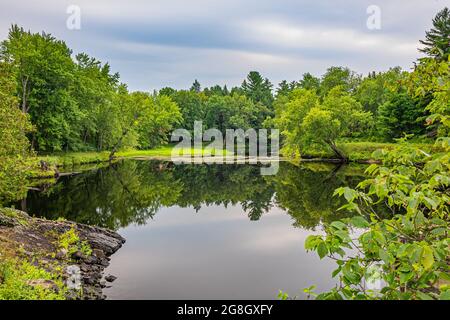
(39, 242)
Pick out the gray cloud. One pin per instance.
(169, 43)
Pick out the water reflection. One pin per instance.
(132, 192)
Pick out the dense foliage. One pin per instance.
(405, 242)
(129, 192)
(76, 103)
(14, 147)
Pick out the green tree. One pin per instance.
(375, 89)
(192, 106)
(258, 89)
(430, 81)
(400, 115)
(320, 127)
(161, 114)
(230, 112)
(167, 91)
(289, 114)
(307, 124)
(284, 88)
(344, 107)
(196, 87)
(339, 76)
(14, 148)
(44, 73)
(436, 43)
(309, 82)
(93, 91)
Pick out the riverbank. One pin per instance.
(56, 164)
(362, 151)
(39, 258)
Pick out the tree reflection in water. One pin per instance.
(132, 192)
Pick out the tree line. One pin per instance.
(64, 101)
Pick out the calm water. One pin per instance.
(204, 231)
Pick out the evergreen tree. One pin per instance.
(258, 89)
(196, 87)
(437, 43)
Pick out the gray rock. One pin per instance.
(110, 278)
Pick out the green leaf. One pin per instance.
(336, 272)
(384, 256)
(423, 296)
(445, 295)
(310, 242)
(338, 225)
(405, 277)
(349, 194)
(359, 222)
(322, 250)
(439, 231)
(427, 257)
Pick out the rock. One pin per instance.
(78, 255)
(38, 237)
(105, 242)
(110, 278)
(104, 262)
(7, 221)
(90, 260)
(98, 253)
(61, 254)
(84, 267)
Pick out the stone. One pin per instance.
(61, 254)
(110, 278)
(39, 235)
(78, 255)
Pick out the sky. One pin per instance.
(159, 43)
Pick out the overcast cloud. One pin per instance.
(159, 43)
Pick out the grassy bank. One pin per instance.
(46, 166)
(356, 151)
(36, 256)
(362, 150)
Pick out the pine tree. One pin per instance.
(437, 43)
(196, 87)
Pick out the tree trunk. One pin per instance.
(117, 145)
(341, 155)
(24, 94)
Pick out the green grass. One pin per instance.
(356, 151)
(362, 150)
(71, 159)
(71, 243)
(14, 214)
(15, 279)
(166, 151)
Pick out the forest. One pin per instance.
(66, 101)
(55, 102)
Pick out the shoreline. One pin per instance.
(69, 251)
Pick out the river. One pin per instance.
(204, 231)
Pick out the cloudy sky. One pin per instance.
(158, 43)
